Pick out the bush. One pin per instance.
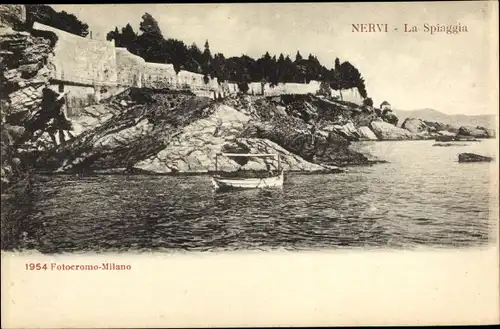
(324, 90)
(243, 87)
(368, 102)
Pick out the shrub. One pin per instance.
(368, 102)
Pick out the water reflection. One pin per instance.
(410, 202)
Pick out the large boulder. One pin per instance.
(414, 125)
(471, 157)
(347, 130)
(491, 132)
(477, 132)
(387, 131)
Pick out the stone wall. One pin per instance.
(96, 69)
(194, 80)
(132, 70)
(255, 88)
(81, 60)
(129, 68)
(157, 75)
(349, 95)
(229, 88)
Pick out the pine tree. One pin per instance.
(281, 69)
(207, 60)
(298, 57)
(128, 36)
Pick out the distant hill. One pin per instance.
(483, 120)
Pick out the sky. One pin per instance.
(452, 73)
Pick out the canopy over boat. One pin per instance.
(248, 155)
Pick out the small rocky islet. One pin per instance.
(472, 157)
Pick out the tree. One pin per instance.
(281, 69)
(362, 88)
(298, 57)
(368, 102)
(128, 36)
(219, 67)
(150, 44)
(114, 35)
(337, 64)
(149, 26)
(207, 60)
(206, 52)
(290, 70)
(61, 20)
(273, 72)
(346, 76)
(324, 90)
(195, 58)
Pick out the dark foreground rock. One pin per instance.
(472, 157)
(449, 144)
(445, 138)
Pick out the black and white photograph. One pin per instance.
(247, 128)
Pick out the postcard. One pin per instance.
(249, 164)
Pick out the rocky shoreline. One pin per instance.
(161, 131)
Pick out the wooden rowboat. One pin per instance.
(228, 183)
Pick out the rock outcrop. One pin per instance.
(12, 15)
(366, 133)
(471, 157)
(23, 73)
(172, 132)
(415, 126)
(476, 132)
(387, 131)
(195, 147)
(428, 129)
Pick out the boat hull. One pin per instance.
(220, 183)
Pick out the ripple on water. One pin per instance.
(412, 201)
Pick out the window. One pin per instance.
(61, 88)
